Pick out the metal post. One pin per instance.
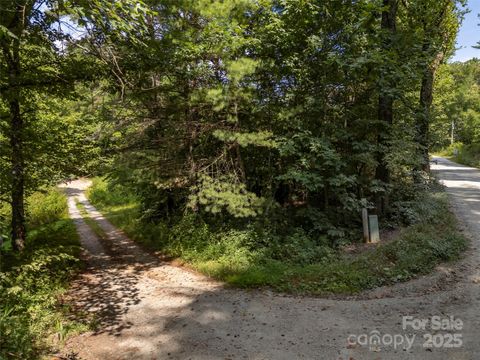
(373, 226)
(366, 235)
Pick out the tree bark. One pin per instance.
(425, 103)
(385, 103)
(18, 180)
(11, 51)
(434, 32)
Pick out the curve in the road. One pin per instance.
(148, 309)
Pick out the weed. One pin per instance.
(463, 154)
(295, 263)
(32, 282)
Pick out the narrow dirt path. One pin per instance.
(148, 309)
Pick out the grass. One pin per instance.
(96, 228)
(235, 257)
(32, 319)
(466, 154)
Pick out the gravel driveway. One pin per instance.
(149, 309)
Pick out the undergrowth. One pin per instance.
(465, 154)
(254, 257)
(32, 320)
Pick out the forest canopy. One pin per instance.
(287, 116)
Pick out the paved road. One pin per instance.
(147, 309)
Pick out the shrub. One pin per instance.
(46, 207)
(31, 282)
(109, 194)
(465, 154)
(253, 255)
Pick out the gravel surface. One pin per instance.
(149, 309)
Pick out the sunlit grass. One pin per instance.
(466, 154)
(32, 320)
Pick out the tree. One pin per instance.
(387, 82)
(25, 32)
(238, 110)
(439, 26)
(36, 60)
(456, 104)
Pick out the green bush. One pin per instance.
(42, 208)
(31, 282)
(465, 154)
(470, 155)
(45, 207)
(295, 261)
(299, 248)
(110, 194)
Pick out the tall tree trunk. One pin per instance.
(423, 117)
(435, 30)
(385, 102)
(18, 181)
(11, 51)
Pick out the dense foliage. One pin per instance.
(457, 104)
(43, 135)
(456, 112)
(30, 283)
(252, 257)
(242, 136)
(286, 115)
(283, 116)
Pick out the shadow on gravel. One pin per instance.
(108, 287)
(106, 294)
(185, 320)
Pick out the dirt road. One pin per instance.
(147, 309)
